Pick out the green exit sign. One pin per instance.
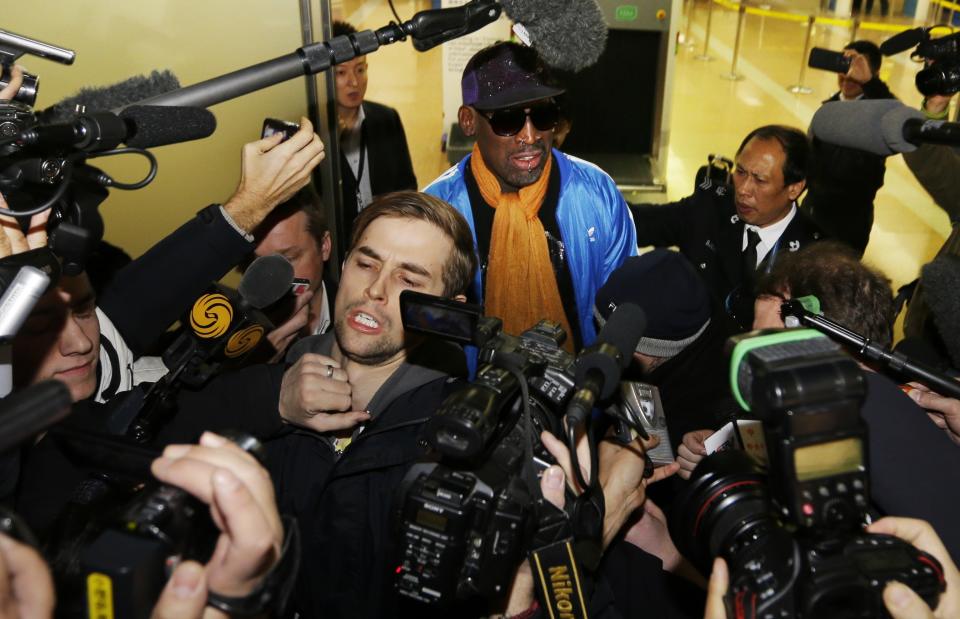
(626, 12)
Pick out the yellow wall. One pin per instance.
(197, 40)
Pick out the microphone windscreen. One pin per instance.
(568, 34)
(892, 127)
(266, 280)
(158, 125)
(941, 289)
(902, 41)
(875, 126)
(29, 411)
(112, 97)
(623, 330)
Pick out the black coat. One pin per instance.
(708, 232)
(843, 183)
(387, 155)
(153, 292)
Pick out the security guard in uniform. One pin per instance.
(731, 234)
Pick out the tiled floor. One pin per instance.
(908, 229)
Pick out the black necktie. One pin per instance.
(750, 254)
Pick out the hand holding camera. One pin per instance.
(240, 495)
(899, 600)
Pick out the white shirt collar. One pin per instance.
(324, 323)
(769, 235)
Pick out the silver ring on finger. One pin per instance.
(329, 371)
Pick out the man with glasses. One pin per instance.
(549, 227)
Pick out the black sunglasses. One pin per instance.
(510, 121)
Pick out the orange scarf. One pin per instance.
(521, 285)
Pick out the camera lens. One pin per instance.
(939, 79)
(724, 509)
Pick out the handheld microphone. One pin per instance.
(18, 299)
(567, 34)
(880, 126)
(902, 41)
(599, 366)
(221, 329)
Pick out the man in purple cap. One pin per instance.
(549, 228)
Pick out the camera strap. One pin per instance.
(560, 583)
(275, 588)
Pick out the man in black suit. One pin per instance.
(730, 234)
(375, 158)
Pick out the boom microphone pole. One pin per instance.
(426, 28)
(800, 310)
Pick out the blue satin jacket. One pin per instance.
(596, 227)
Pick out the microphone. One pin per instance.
(137, 126)
(18, 299)
(149, 126)
(568, 34)
(799, 311)
(223, 326)
(880, 126)
(221, 329)
(266, 281)
(110, 98)
(599, 366)
(902, 41)
(433, 27)
(32, 410)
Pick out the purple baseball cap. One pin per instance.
(506, 75)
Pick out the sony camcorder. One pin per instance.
(791, 532)
(467, 521)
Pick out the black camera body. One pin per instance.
(466, 521)
(126, 566)
(828, 60)
(460, 535)
(791, 532)
(126, 557)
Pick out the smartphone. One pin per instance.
(274, 125)
(828, 60)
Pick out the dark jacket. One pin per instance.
(843, 183)
(152, 292)
(345, 505)
(387, 155)
(914, 466)
(709, 233)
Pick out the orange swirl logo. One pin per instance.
(211, 316)
(243, 341)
